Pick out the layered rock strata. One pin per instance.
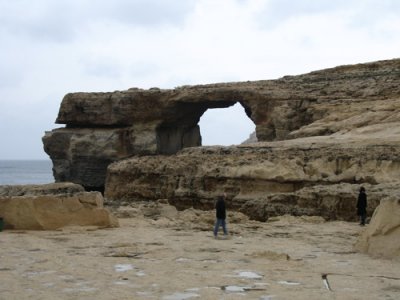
(309, 176)
(105, 127)
(52, 206)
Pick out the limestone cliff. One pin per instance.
(309, 176)
(352, 139)
(105, 127)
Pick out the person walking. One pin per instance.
(220, 216)
(362, 206)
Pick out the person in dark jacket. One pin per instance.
(362, 206)
(220, 215)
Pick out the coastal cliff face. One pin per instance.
(321, 136)
(310, 176)
(102, 128)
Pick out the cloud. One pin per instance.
(50, 48)
(64, 20)
(272, 14)
(10, 77)
(38, 20)
(153, 13)
(101, 68)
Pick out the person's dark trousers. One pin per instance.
(362, 219)
(220, 222)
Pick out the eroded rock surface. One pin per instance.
(52, 206)
(40, 189)
(314, 176)
(382, 236)
(105, 127)
(173, 255)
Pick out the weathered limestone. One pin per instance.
(67, 188)
(251, 139)
(52, 206)
(382, 236)
(321, 136)
(105, 127)
(313, 176)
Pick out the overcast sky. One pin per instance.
(52, 47)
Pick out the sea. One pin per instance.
(14, 172)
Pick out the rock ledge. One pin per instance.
(52, 206)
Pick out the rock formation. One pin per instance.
(321, 135)
(251, 139)
(52, 206)
(382, 237)
(313, 176)
(40, 190)
(105, 127)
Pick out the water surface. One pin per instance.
(25, 172)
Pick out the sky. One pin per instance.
(52, 47)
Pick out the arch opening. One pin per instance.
(225, 126)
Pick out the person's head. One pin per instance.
(362, 189)
(221, 197)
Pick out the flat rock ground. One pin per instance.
(164, 254)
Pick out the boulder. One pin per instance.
(381, 238)
(52, 206)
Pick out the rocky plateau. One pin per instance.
(159, 252)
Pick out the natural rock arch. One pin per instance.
(225, 126)
(183, 131)
(102, 128)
